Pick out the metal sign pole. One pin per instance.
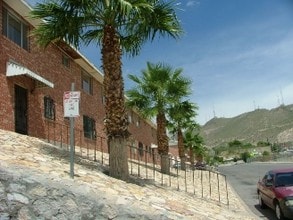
(72, 142)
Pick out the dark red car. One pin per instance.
(275, 190)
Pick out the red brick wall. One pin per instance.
(142, 131)
(173, 150)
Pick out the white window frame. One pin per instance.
(12, 33)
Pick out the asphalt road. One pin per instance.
(243, 178)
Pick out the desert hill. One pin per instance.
(274, 126)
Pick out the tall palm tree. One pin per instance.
(181, 115)
(117, 26)
(155, 92)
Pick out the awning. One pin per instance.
(14, 69)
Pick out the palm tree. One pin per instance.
(181, 117)
(118, 26)
(199, 149)
(194, 143)
(155, 92)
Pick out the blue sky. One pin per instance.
(238, 54)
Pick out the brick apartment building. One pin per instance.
(33, 81)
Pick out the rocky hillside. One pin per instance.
(275, 126)
(35, 184)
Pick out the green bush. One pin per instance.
(245, 155)
(266, 153)
(235, 143)
(263, 143)
(275, 148)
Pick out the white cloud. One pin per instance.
(192, 3)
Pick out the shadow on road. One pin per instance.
(266, 213)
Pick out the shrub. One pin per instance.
(266, 153)
(245, 155)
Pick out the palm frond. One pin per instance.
(147, 20)
(93, 36)
(55, 16)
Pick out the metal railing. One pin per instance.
(204, 183)
(145, 165)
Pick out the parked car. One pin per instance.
(200, 166)
(275, 190)
(177, 165)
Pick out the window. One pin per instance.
(49, 108)
(15, 29)
(86, 81)
(103, 100)
(89, 127)
(138, 122)
(284, 179)
(66, 61)
(130, 117)
(103, 97)
(140, 149)
(154, 133)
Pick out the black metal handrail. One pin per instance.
(145, 164)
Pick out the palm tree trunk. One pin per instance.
(181, 150)
(163, 144)
(118, 164)
(116, 124)
(191, 156)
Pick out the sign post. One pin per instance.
(71, 109)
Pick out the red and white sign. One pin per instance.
(71, 103)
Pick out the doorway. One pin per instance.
(20, 109)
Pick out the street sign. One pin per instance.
(71, 103)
